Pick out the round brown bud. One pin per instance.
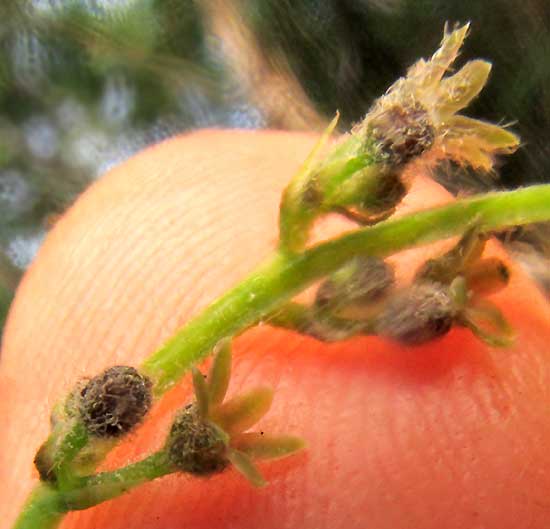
(403, 132)
(115, 401)
(194, 445)
(360, 282)
(418, 314)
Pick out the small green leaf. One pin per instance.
(246, 467)
(243, 411)
(260, 446)
(220, 373)
(201, 392)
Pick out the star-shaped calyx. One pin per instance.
(212, 433)
(450, 290)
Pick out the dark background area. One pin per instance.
(84, 84)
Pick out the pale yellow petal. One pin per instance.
(466, 151)
(491, 137)
(428, 73)
(456, 92)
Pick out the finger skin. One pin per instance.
(452, 435)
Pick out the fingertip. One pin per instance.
(436, 436)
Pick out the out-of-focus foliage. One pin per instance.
(346, 52)
(85, 83)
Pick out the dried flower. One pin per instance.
(448, 290)
(210, 434)
(419, 112)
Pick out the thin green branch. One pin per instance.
(46, 505)
(108, 485)
(71, 444)
(283, 276)
(44, 509)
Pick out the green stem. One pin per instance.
(44, 509)
(55, 457)
(108, 485)
(71, 444)
(284, 275)
(46, 506)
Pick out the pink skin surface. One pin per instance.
(451, 435)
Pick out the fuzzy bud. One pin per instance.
(362, 281)
(403, 132)
(195, 445)
(418, 314)
(115, 401)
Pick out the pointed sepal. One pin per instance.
(429, 73)
(262, 446)
(220, 373)
(487, 322)
(201, 392)
(246, 467)
(243, 411)
(446, 267)
(301, 200)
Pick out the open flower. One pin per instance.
(210, 434)
(425, 106)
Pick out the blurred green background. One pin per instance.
(86, 83)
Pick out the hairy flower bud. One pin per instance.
(194, 445)
(115, 401)
(403, 132)
(360, 282)
(418, 314)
